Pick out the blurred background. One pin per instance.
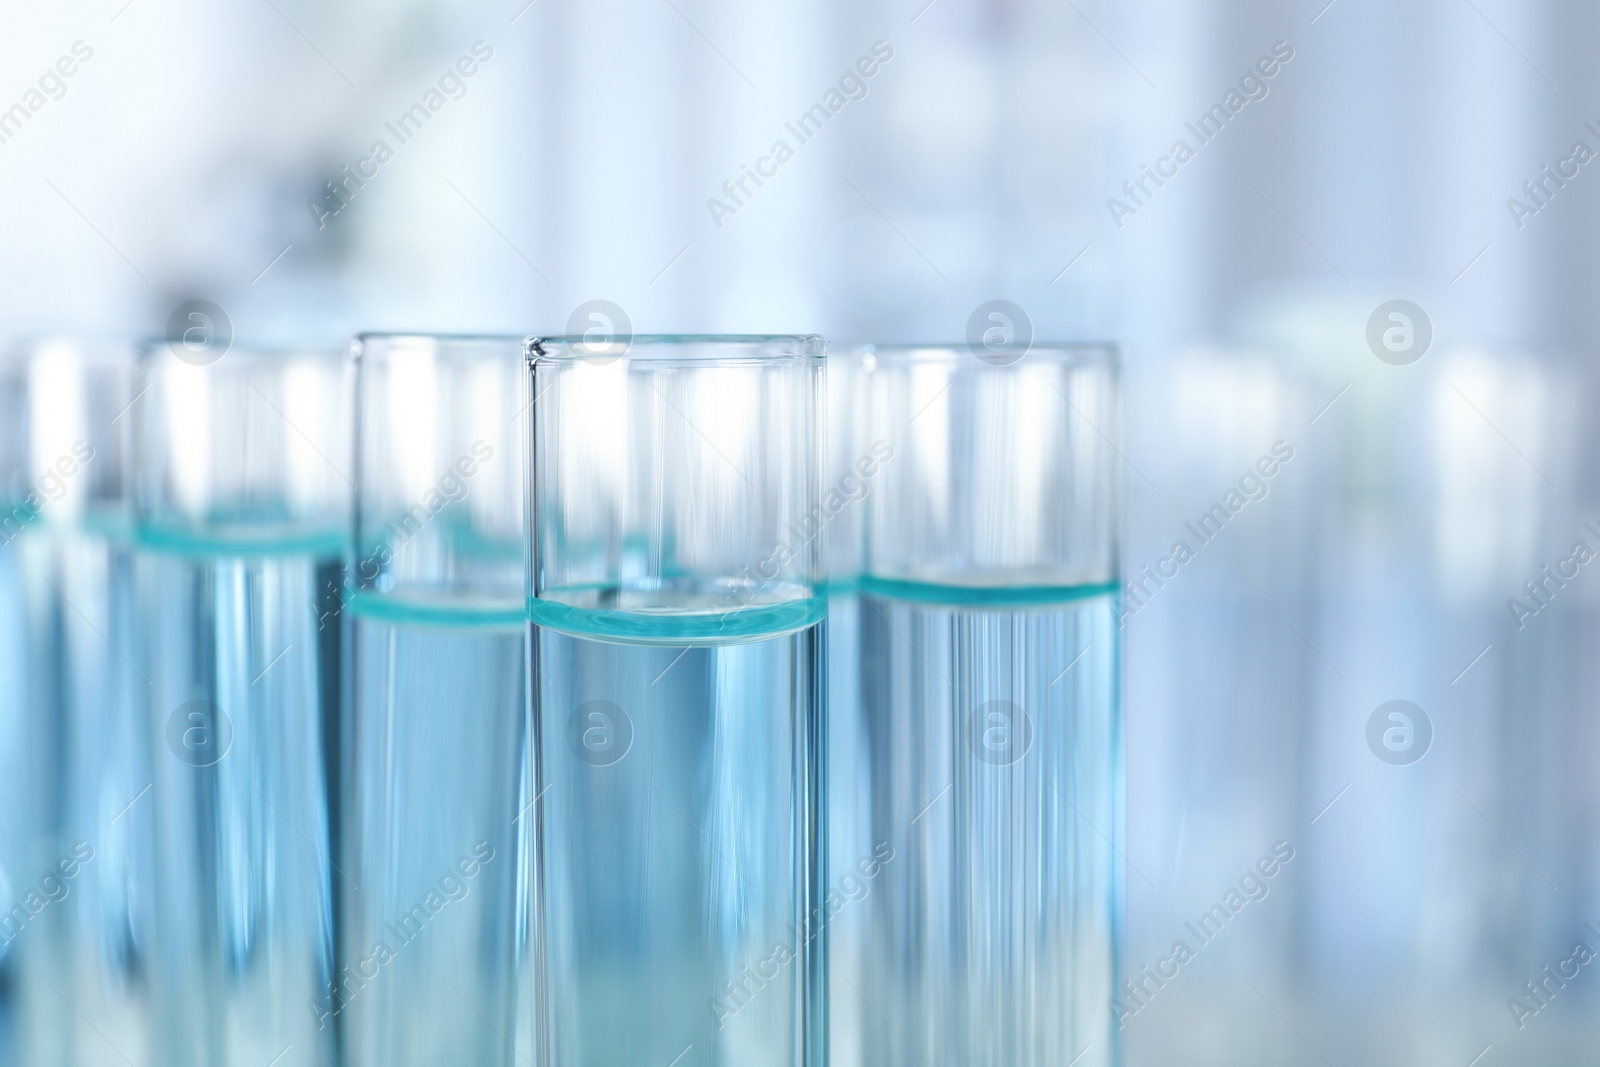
(317, 168)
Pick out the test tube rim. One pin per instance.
(727, 348)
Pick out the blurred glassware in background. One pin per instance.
(437, 793)
(1440, 860)
(243, 501)
(1219, 540)
(980, 776)
(75, 874)
(677, 625)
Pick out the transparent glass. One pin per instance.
(242, 468)
(678, 639)
(75, 814)
(974, 912)
(436, 736)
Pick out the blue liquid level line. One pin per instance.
(731, 627)
(448, 612)
(977, 596)
(210, 541)
(753, 623)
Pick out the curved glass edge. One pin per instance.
(443, 613)
(373, 347)
(322, 542)
(442, 338)
(734, 627)
(732, 348)
(110, 523)
(977, 596)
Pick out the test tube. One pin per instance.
(243, 469)
(677, 625)
(975, 844)
(75, 875)
(437, 726)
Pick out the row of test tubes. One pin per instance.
(489, 699)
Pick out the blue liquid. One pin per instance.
(966, 746)
(76, 886)
(243, 670)
(437, 758)
(677, 840)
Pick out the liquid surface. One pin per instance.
(679, 612)
(977, 744)
(438, 803)
(677, 815)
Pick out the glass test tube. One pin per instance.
(243, 472)
(437, 727)
(977, 911)
(75, 878)
(677, 631)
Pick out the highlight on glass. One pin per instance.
(431, 934)
(677, 627)
(976, 766)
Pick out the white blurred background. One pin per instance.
(187, 157)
